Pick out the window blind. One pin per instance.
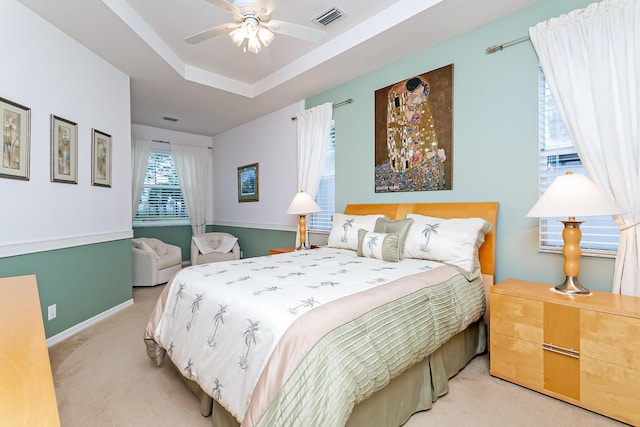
(161, 198)
(600, 235)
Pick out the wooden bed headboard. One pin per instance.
(486, 210)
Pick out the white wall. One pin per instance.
(269, 141)
(47, 71)
(165, 135)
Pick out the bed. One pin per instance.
(365, 331)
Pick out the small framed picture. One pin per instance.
(64, 150)
(248, 183)
(100, 158)
(16, 140)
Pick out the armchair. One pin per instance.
(154, 261)
(214, 245)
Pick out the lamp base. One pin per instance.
(571, 286)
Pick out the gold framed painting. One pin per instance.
(414, 133)
(16, 140)
(248, 185)
(100, 158)
(64, 150)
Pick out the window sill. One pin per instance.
(160, 224)
(583, 252)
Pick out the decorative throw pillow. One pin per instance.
(400, 226)
(145, 247)
(202, 244)
(453, 241)
(382, 246)
(226, 244)
(344, 233)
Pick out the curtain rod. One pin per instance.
(497, 47)
(339, 104)
(167, 142)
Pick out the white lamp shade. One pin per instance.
(574, 195)
(303, 204)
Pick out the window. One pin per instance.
(161, 198)
(326, 196)
(558, 155)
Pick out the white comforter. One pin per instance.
(222, 321)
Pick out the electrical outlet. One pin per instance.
(52, 312)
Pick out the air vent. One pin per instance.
(170, 119)
(328, 16)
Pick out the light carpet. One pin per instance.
(103, 377)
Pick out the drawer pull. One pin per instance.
(561, 350)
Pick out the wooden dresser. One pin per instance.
(581, 349)
(27, 396)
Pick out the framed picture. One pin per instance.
(414, 133)
(100, 158)
(16, 140)
(64, 150)
(248, 183)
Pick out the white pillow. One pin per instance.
(145, 247)
(202, 244)
(226, 244)
(344, 232)
(382, 246)
(453, 241)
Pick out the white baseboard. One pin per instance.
(89, 322)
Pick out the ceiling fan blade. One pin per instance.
(264, 8)
(297, 31)
(211, 32)
(233, 10)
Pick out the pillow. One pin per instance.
(141, 244)
(452, 241)
(400, 226)
(382, 246)
(344, 233)
(226, 244)
(202, 244)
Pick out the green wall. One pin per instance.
(257, 242)
(82, 281)
(495, 139)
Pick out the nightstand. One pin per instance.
(584, 350)
(274, 251)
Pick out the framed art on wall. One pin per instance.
(64, 150)
(248, 183)
(100, 158)
(16, 140)
(414, 133)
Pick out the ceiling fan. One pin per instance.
(253, 26)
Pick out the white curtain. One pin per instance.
(192, 166)
(314, 126)
(140, 149)
(591, 59)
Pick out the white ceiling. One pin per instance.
(214, 86)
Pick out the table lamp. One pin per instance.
(302, 205)
(573, 195)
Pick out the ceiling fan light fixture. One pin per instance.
(238, 35)
(265, 36)
(253, 44)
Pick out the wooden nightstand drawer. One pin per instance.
(516, 360)
(610, 389)
(517, 317)
(611, 338)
